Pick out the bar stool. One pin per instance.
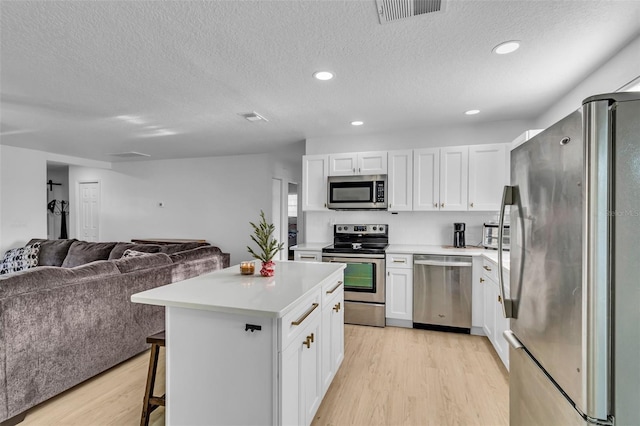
(151, 402)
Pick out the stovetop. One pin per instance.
(359, 239)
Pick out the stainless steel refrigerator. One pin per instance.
(574, 206)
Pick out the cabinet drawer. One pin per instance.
(490, 270)
(399, 260)
(292, 324)
(307, 256)
(332, 288)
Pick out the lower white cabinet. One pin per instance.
(333, 335)
(399, 290)
(307, 255)
(494, 322)
(301, 382)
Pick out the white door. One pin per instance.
(343, 164)
(89, 215)
(372, 163)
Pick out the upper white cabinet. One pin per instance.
(400, 180)
(315, 169)
(487, 176)
(454, 175)
(440, 178)
(426, 179)
(358, 163)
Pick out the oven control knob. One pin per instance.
(339, 228)
(382, 227)
(375, 228)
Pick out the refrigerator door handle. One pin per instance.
(512, 339)
(507, 200)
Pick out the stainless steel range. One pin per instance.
(362, 248)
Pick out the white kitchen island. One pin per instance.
(249, 350)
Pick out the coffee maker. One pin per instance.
(458, 235)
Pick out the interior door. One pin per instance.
(89, 214)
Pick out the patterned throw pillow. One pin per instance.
(133, 253)
(19, 259)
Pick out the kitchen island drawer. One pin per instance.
(292, 324)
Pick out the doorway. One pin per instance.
(89, 211)
(57, 200)
(292, 218)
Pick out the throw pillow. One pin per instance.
(134, 253)
(19, 259)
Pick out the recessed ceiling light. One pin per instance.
(323, 75)
(357, 123)
(472, 112)
(506, 47)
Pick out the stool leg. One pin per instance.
(151, 380)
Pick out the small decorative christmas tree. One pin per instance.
(268, 246)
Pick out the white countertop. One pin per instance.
(227, 290)
(310, 246)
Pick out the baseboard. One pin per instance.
(392, 322)
(477, 331)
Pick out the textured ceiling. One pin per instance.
(68, 68)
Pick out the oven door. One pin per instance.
(363, 277)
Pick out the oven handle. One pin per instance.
(436, 263)
(350, 262)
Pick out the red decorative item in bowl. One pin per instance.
(268, 268)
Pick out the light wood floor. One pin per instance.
(390, 376)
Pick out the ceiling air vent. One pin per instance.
(394, 10)
(130, 154)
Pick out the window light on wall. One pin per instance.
(632, 86)
(292, 205)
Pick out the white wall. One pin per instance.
(23, 193)
(211, 198)
(472, 134)
(621, 69)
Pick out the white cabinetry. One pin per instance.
(358, 163)
(301, 385)
(315, 169)
(426, 179)
(487, 175)
(399, 290)
(441, 178)
(400, 180)
(494, 322)
(332, 331)
(307, 255)
(454, 176)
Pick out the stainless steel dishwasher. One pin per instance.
(442, 292)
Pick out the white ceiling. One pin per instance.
(68, 68)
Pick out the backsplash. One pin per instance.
(431, 228)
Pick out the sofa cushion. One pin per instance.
(82, 252)
(151, 260)
(194, 254)
(52, 252)
(175, 248)
(20, 259)
(120, 248)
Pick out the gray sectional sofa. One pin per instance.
(70, 318)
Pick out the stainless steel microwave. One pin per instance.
(368, 192)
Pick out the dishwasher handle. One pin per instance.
(440, 263)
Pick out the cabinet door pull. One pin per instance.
(307, 342)
(499, 299)
(471, 205)
(337, 307)
(487, 268)
(305, 315)
(481, 280)
(335, 288)
(435, 205)
(442, 205)
(400, 261)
